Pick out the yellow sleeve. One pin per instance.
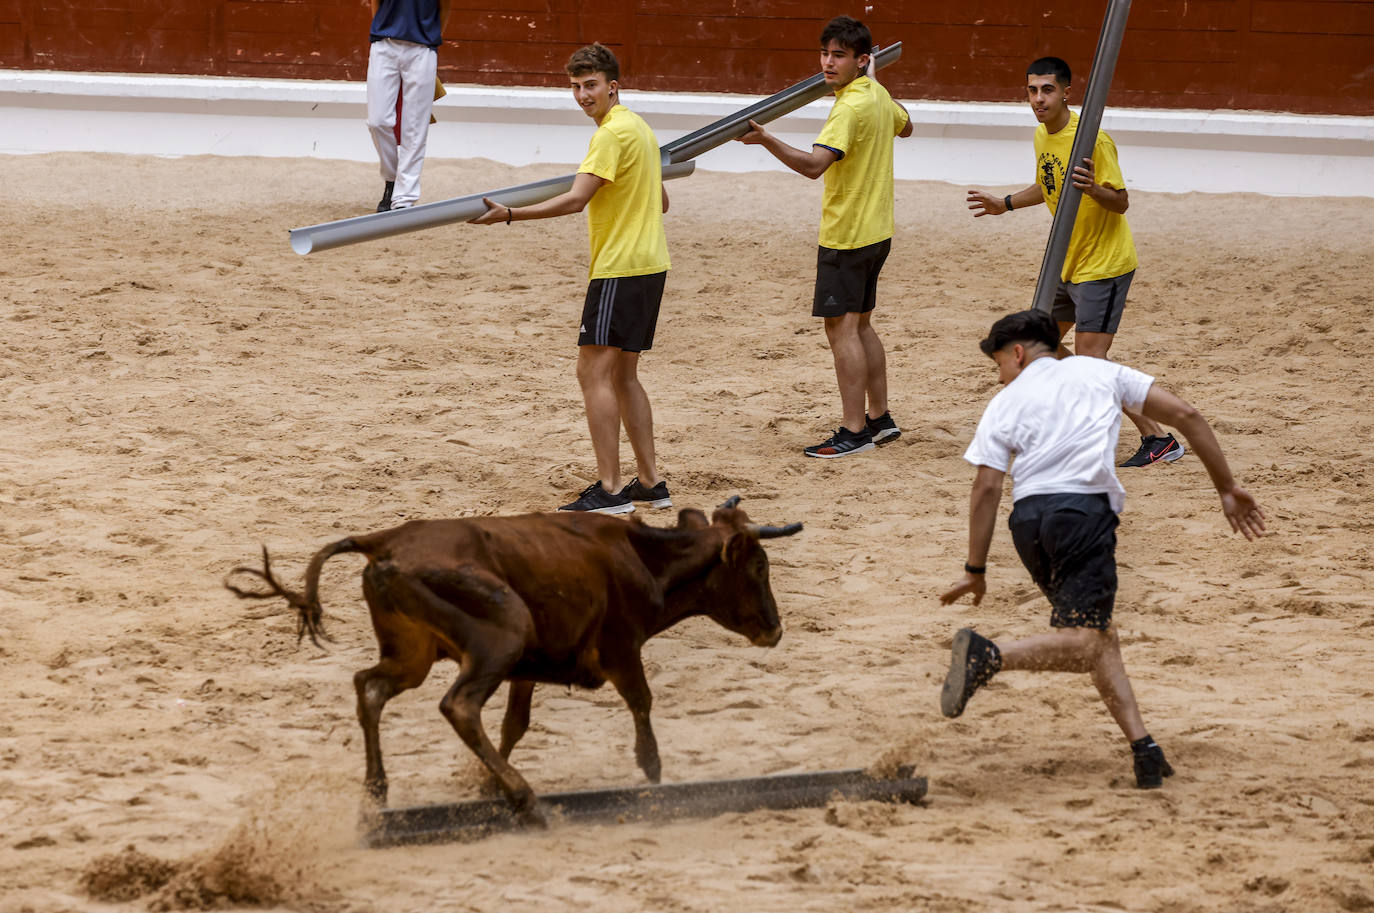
(603, 155)
(1106, 168)
(838, 132)
(900, 117)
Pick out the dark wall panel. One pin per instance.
(1306, 56)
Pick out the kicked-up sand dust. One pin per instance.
(178, 388)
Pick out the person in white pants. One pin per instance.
(403, 60)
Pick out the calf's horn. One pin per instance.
(773, 532)
(732, 501)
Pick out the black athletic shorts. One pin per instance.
(1068, 543)
(622, 312)
(847, 280)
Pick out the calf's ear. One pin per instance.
(739, 547)
(691, 518)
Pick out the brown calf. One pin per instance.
(565, 598)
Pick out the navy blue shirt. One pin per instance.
(416, 21)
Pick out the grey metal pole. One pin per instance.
(769, 109)
(1089, 119)
(676, 157)
(445, 212)
(656, 803)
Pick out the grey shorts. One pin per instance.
(1094, 306)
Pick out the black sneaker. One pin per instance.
(1150, 765)
(656, 496)
(1156, 449)
(597, 500)
(841, 444)
(973, 660)
(883, 429)
(385, 204)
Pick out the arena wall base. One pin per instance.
(981, 144)
(466, 821)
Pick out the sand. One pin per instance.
(179, 388)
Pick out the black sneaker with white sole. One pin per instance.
(842, 443)
(883, 429)
(385, 204)
(597, 500)
(1156, 448)
(654, 497)
(1151, 767)
(973, 660)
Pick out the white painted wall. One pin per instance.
(962, 143)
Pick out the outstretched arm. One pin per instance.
(986, 204)
(1240, 507)
(811, 164)
(584, 188)
(982, 520)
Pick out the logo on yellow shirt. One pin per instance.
(1050, 169)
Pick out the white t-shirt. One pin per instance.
(1060, 420)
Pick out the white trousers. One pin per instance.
(400, 67)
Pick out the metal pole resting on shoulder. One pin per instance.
(770, 109)
(1089, 120)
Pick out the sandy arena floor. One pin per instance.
(180, 388)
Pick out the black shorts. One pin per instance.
(1068, 543)
(622, 312)
(847, 280)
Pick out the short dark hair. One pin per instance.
(594, 58)
(850, 33)
(1025, 327)
(1051, 66)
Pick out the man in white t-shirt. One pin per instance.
(1059, 420)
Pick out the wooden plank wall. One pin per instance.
(1306, 56)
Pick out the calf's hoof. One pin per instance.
(532, 816)
(374, 793)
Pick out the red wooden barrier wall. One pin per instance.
(1309, 56)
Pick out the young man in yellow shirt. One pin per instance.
(854, 152)
(620, 185)
(1101, 258)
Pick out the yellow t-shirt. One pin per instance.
(1101, 246)
(856, 207)
(625, 216)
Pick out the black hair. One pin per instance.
(1051, 66)
(850, 33)
(1025, 327)
(594, 58)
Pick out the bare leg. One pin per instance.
(1082, 650)
(595, 369)
(875, 358)
(637, 415)
(1096, 345)
(851, 367)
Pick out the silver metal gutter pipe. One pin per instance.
(445, 212)
(676, 157)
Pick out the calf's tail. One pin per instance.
(309, 615)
